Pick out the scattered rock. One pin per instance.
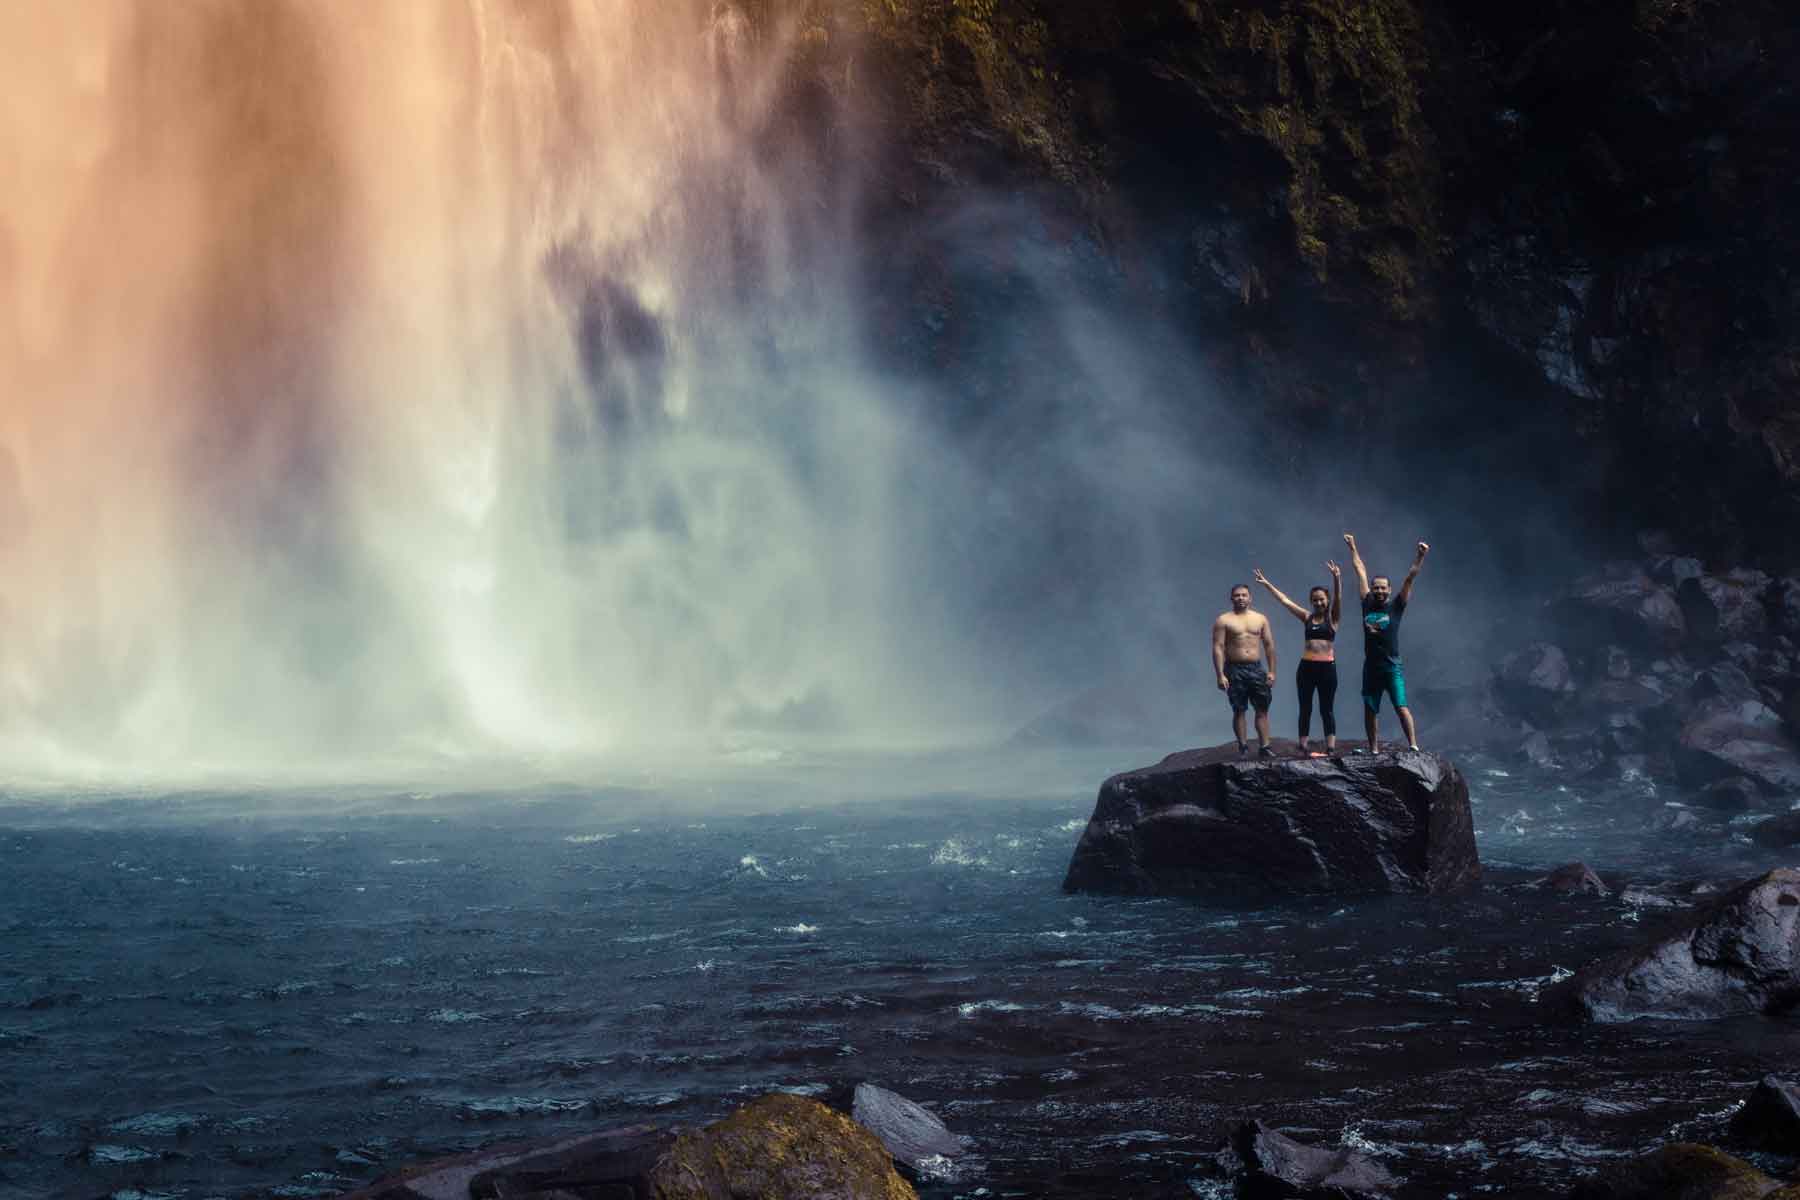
(1770, 1118)
(1621, 604)
(1782, 829)
(1674, 820)
(1734, 793)
(1725, 608)
(1727, 681)
(1682, 1171)
(1537, 682)
(911, 1133)
(1575, 878)
(1743, 738)
(1271, 1164)
(779, 1145)
(1202, 822)
(1738, 955)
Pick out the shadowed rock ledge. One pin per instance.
(1202, 822)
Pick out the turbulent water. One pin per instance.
(242, 995)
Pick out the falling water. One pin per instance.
(436, 379)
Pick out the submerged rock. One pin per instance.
(1738, 955)
(1575, 877)
(1202, 822)
(1683, 1171)
(612, 1162)
(779, 1145)
(1270, 1164)
(1770, 1118)
(911, 1133)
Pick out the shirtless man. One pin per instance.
(1239, 639)
(1382, 672)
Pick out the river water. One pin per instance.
(277, 995)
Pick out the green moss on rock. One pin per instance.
(1682, 1171)
(776, 1148)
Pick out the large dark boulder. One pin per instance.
(1202, 822)
(1268, 1165)
(1770, 1118)
(1738, 955)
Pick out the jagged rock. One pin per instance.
(1732, 794)
(1537, 682)
(1780, 830)
(1726, 681)
(1725, 607)
(1273, 1165)
(617, 1159)
(779, 1145)
(1615, 663)
(1535, 749)
(1675, 569)
(911, 1133)
(1621, 604)
(1674, 820)
(1683, 1171)
(1740, 954)
(1203, 822)
(1770, 1118)
(1785, 600)
(1745, 738)
(1575, 878)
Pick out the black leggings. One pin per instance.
(1321, 677)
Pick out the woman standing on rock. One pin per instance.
(1318, 663)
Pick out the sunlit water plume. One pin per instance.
(430, 378)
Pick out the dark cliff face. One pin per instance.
(1564, 231)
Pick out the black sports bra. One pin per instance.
(1322, 632)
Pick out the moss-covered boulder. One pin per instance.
(1684, 1171)
(777, 1147)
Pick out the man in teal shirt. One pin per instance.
(1382, 672)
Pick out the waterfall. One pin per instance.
(438, 379)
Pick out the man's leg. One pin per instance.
(1369, 727)
(1371, 698)
(1237, 727)
(1262, 728)
(1406, 725)
(1397, 689)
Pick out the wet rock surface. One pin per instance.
(1205, 822)
(1576, 878)
(914, 1135)
(1739, 954)
(1269, 1165)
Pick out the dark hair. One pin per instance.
(1318, 587)
(1236, 586)
(1373, 578)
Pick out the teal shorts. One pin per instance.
(1386, 677)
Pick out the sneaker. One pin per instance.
(1243, 749)
(1266, 753)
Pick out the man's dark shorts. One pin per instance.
(1247, 686)
(1381, 678)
